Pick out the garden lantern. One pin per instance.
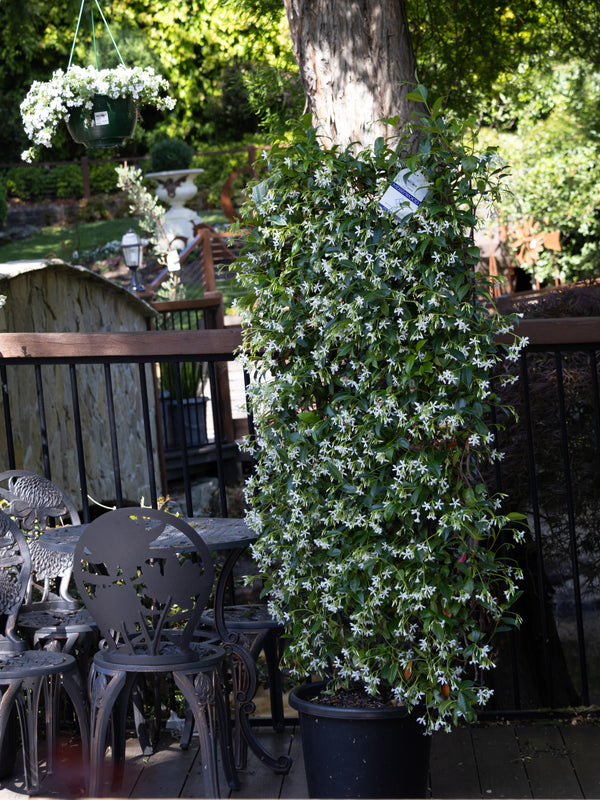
(132, 249)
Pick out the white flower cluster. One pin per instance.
(48, 103)
(369, 347)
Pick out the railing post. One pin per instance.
(208, 267)
(222, 383)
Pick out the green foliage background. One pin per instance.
(545, 125)
(208, 50)
(526, 70)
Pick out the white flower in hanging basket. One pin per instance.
(50, 103)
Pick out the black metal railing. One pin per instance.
(550, 471)
(205, 313)
(84, 409)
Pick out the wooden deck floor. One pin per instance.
(518, 760)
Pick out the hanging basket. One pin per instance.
(109, 123)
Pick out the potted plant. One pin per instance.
(170, 161)
(192, 379)
(369, 343)
(98, 105)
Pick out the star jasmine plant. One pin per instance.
(49, 103)
(369, 341)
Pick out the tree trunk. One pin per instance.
(355, 57)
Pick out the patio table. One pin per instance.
(232, 536)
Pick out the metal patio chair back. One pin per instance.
(50, 618)
(33, 500)
(26, 674)
(146, 577)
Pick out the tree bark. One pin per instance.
(356, 64)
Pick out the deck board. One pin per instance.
(294, 785)
(547, 762)
(453, 767)
(583, 745)
(487, 761)
(257, 780)
(167, 770)
(499, 764)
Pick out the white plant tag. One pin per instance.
(405, 195)
(100, 118)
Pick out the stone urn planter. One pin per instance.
(176, 188)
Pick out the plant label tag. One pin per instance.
(100, 118)
(405, 195)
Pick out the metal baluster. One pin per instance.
(113, 435)
(148, 434)
(572, 532)
(79, 444)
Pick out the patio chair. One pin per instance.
(33, 500)
(147, 594)
(252, 627)
(50, 618)
(26, 674)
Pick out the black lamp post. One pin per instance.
(132, 249)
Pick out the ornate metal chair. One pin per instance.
(52, 620)
(254, 629)
(25, 674)
(147, 591)
(33, 500)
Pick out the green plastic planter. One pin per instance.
(109, 123)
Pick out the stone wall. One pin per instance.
(52, 296)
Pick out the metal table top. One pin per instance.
(219, 533)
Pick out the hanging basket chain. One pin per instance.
(71, 95)
(83, 2)
(94, 35)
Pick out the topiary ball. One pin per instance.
(171, 154)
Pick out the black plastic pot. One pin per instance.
(109, 123)
(194, 421)
(357, 752)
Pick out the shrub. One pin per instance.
(27, 183)
(103, 178)
(370, 343)
(67, 180)
(218, 167)
(170, 154)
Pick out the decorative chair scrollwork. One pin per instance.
(26, 674)
(147, 595)
(50, 618)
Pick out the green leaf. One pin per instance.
(469, 163)
(416, 97)
(309, 417)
